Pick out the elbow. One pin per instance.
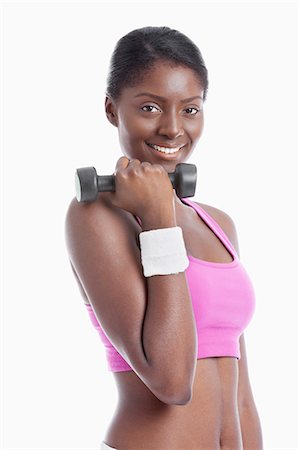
(181, 400)
(176, 396)
(178, 391)
(175, 389)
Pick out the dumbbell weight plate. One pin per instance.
(78, 187)
(86, 185)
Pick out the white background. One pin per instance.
(56, 390)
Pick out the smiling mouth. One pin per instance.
(164, 149)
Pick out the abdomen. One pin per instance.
(142, 421)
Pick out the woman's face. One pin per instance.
(165, 109)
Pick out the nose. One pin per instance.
(171, 125)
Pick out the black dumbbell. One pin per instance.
(88, 184)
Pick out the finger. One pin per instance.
(122, 163)
(134, 162)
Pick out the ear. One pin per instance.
(111, 111)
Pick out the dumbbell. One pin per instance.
(88, 183)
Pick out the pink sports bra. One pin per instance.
(223, 301)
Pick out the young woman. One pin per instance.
(161, 275)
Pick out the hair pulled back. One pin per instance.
(136, 52)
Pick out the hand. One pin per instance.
(141, 187)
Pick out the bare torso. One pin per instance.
(210, 421)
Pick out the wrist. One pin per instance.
(163, 251)
(156, 220)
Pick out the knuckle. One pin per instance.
(158, 168)
(146, 166)
(136, 171)
(135, 166)
(120, 172)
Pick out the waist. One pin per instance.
(215, 377)
(140, 415)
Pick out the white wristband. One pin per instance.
(163, 251)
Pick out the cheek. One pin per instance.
(144, 124)
(126, 131)
(196, 128)
(135, 126)
(141, 129)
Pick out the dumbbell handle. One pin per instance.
(106, 183)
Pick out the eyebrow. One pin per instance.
(162, 98)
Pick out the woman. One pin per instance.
(161, 275)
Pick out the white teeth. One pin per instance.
(165, 149)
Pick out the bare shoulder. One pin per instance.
(217, 214)
(87, 209)
(94, 214)
(225, 221)
(79, 220)
(88, 223)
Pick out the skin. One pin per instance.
(168, 122)
(221, 390)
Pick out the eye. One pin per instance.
(148, 106)
(195, 109)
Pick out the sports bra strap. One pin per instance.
(211, 223)
(214, 226)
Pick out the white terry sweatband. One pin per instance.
(163, 251)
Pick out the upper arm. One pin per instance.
(104, 253)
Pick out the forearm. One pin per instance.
(251, 428)
(169, 330)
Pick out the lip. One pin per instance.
(162, 155)
(166, 146)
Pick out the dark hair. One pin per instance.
(137, 51)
